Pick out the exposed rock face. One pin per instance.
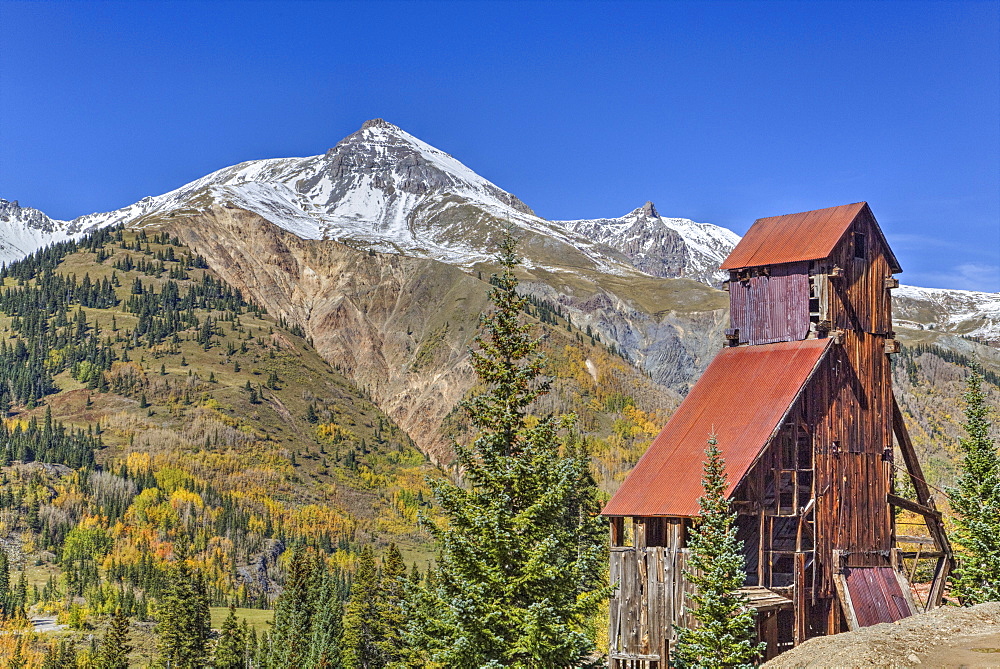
(400, 327)
(367, 314)
(12, 213)
(23, 229)
(664, 247)
(397, 163)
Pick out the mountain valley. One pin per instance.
(276, 354)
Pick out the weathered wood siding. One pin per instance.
(835, 448)
(852, 417)
(649, 598)
(860, 300)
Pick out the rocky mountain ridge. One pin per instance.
(383, 189)
(664, 247)
(376, 248)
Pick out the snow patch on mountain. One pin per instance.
(24, 229)
(665, 247)
(961, 312)
(381, 188)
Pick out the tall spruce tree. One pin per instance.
(6, 596)
(231, 648)
(293, 614)
(724, 635)
(183, 621)
(975, 499)
(361, 647)
(522, 555)
(115, 647)
(327, 625)
(392, 616)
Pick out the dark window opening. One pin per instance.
(804, 444)
(782, 567)
(859, 245)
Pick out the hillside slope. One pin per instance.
(170, 410)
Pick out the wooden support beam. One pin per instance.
(917, 554)
(799, 594)
(910, 505)
(935, 526)
(909, 455)
(944, 567)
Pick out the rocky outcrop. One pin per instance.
(400, 327)
(663, 247)
(367, 314)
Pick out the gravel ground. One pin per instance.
(946, 637)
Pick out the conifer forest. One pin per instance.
(186, 482)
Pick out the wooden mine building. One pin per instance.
(800, 401)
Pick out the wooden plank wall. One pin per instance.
(649, 598)
(860, 300)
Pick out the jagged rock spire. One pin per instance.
(376, 123)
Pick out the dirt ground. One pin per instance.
(946, 637)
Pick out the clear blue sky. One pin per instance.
(717, 111)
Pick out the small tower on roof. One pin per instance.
(800, 401)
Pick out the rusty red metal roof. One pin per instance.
(809, 235)
(876, 596)
(742, 399)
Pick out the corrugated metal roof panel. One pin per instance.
(741, 398)
(876, 596)
(809, 235)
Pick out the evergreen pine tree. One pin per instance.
(361, 617)
(51, 659)
(523, 552)
(392, 620)
(230, 649)
(17, 660)
(975, 499)
(724, 635)
(292, 629)
(325, 645)
(6, 597)
(183, 618)
(263, 651)
(19, 597)
(114, 648)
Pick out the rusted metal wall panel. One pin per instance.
(741, 399)
(771, 307)
(876, 596)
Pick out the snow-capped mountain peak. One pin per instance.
(24, 229)
(666, 247)
(380, 188)
(968, 313)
